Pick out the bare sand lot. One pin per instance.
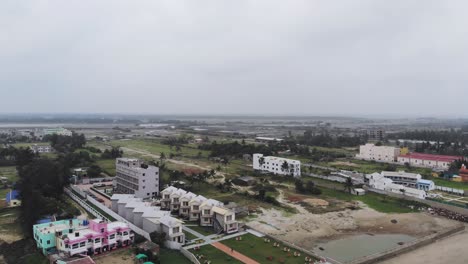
(449, 250)
(306, 229)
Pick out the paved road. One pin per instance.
(449, 250)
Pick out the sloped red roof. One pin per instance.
(424, 156)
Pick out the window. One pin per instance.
(143, 174)
(90, 241)
(48, 242)
(102, 230)
(112, 236)
(97, 240)
(75, 246)
(125, 233)
(82, 244)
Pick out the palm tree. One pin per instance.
(348, 184)
(261, 161)
(403, 191)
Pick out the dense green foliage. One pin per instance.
(66, 143)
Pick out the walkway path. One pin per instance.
(234, 254)
(209, 240)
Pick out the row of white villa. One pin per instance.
(149, 218)
(194, 207)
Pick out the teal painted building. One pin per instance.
(46, 234)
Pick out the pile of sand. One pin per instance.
(316, 202)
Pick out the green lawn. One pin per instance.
(204, 230)
(167, 256)
(378, 202)
(36, 258)
(259, 250)
(9, 172)
(214, 255)
(107, 166)
(450, 184)
(371, 167)
(189, 236)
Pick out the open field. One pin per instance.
(204, 230)
(10, 228)
(213, 254)
(168, 256)
(364, 166)
(450, 184)
(259, 250)
(107, 166)
(9, 172)
(122, 256)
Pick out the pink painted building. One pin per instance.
(96, 237)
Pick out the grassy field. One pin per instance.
(35, 258)
(24, 145)
(450, 184)
(214, 255)
(378, 202)
(204, 230)
(371, 167)
(167, 256)
(9, 172)
(9, 226)
(154, 146)
(189, 236)
(107, 166)
(259, 250)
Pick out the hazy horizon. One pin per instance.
(274, 58)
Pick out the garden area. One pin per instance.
(209, 254)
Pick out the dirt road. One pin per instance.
(449, 250)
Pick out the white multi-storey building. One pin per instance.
(275, 165)
(135, 177)
(378, 153)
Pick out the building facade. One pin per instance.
(83, 237)
(275, 165)
(150, 218)
(57, 130)
(437, 162)
(380, 182)
(378, 153)
(208, 212)
(135, 177)
(41, 148)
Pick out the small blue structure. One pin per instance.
(425, 185)
(13, 198)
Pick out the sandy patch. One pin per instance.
(316, 202)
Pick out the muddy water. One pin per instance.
(357, 246)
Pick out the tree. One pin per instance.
(310, 185)
(285, 166)
(403, 191)
(199, 155)
(299, 186)
(261, 194)
(261, 161)
(348, 184)
(162, 156)
(158, 238)
(94, 171)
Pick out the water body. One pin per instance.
(358, 246)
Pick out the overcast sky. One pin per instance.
(235, 57)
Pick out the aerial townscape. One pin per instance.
(233, 132)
